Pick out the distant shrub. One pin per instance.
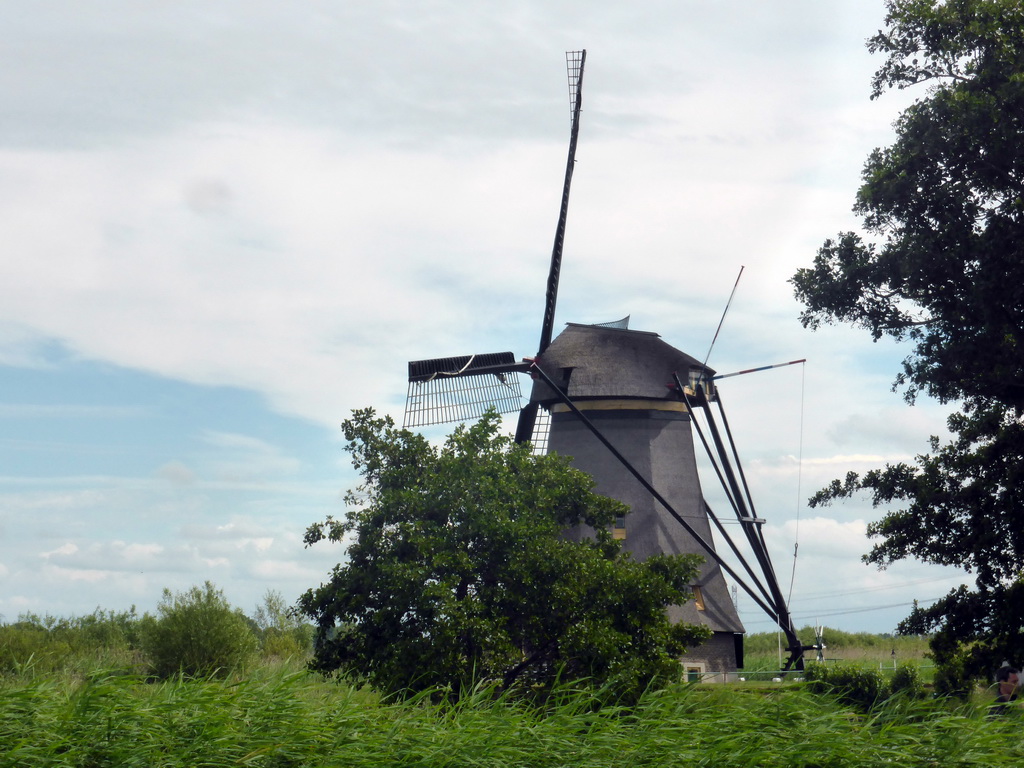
(860, 688)
(24, 645)
(906, 681)
(103, 629)
(43, 644)
(197, 634)
(863, 688)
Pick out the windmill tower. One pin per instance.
(624, 405)
(617, 379)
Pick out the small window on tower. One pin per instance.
(698, 598)
(619, 527)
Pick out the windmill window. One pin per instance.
(698, 598)
(693, 674)
(619, 527)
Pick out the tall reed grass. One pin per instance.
(282, 717)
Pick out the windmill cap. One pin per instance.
(595, 361)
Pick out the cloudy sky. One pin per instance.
(226, 225)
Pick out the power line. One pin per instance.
(827, 595)
(876, 607)
(818, 614)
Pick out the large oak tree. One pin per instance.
(457, 572)
(940, 265)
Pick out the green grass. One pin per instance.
(280, 717)
(75, 694)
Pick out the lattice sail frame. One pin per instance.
(541, 430)
(574, 67)
(449, 389)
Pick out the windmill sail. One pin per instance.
(448, 389)
(575, 61)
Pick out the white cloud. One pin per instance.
(822, 537)
(831, 585)
(62, 550)
(242, 458)
(176, 473)
(49, 501)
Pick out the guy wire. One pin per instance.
(719, 328)
(799, 478)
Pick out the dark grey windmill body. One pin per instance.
(622, 404)
(619, 379)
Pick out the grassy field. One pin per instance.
(764, 651)
(79, 693)
(279, 715)
(846, 646)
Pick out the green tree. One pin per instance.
(197, 634)
(281, 632)
(458, 572)
(941, 266)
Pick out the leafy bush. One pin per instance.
(198, 634)
(106, 639)
(26, 644)
(860, 688)
(863, 688)
(906, 681)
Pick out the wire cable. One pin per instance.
(799, 478)
(853, 610)
(719, 328)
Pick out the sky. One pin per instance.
(227, 225)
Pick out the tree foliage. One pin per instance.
(197, 634)
(280, 630)
(941, 265)
(943, 205)
(457, 572)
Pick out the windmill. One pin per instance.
(627, 407)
